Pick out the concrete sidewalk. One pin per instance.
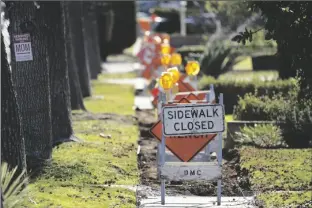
(121, 67)
(196, 201)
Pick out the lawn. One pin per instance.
(111, 98)
(268, 75)
(282, 177)
(244, 64)
(81, 173)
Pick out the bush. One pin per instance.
(233, 89)
(264, 135)
(298, 124)
(255, 108)
(295, 117)
(213, 61)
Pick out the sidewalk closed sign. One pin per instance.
(192, 119)
(22, 47)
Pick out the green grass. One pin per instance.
(43, 196)
(285, 170)
(76, 167)
(244, 64)
(250, 76)
(286, 199)
(110, 98)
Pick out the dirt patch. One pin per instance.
(235, 180)
(84, 115)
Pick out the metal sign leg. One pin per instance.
(219, 189)
(163, 155)
(162, 188)
(219, 192)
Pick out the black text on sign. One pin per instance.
(22, 47)
(193, 119)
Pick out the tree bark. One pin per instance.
(60, 95)
(76, 97)
(285, 63)
(90, 38)
(105, 15)
(124, 23)
(75, 22)
(12, 141)
(31, 79)
(1, 200)
(118, 26)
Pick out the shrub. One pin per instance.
(233, 89)
(212, 61)
(298, 124)
(295, 117)
(263, 135)
(255, 108)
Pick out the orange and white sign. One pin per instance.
(183, 147)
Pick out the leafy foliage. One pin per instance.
(251, 107)
(295, 116)
(13, 186)
(298, 124)
(263, 135)
(232, 88)
(243, 36)
(289, 23)
(213, 62)
(231, 13)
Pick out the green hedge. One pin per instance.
(294, 116)
(232, 89)
(264, 108)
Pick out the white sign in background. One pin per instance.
(22, 47)
(149, 53)
(192, 119)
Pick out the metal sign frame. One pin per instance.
(202, 163)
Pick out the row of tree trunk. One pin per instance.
(69, 40)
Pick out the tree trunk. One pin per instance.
(124, 23)
(105, 27)
(60, 95)
(90, 38)
(285, 63)
(12, 141)
(76, 97)
(96, 41)
(2, 199)
(31, 79)
(75, 22)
